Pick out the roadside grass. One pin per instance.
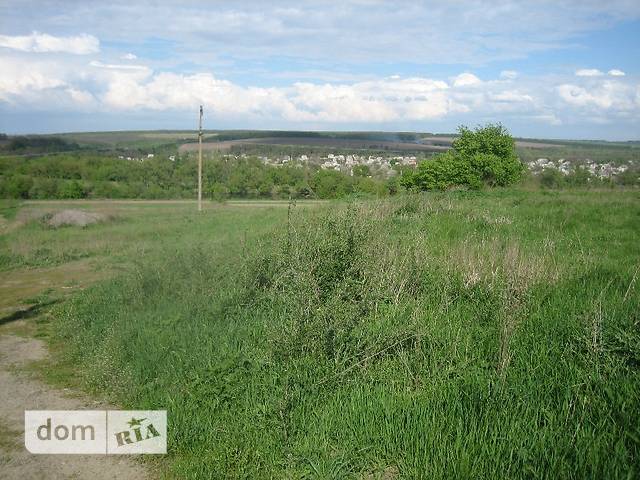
(480, 334)
(10, 442)
(9, 208)
(136, 228)
(43, 267)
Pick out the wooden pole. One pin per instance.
(200, 162)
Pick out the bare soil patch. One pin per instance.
(78, 218)
(314, 142)
(18, 287)
(19, 391)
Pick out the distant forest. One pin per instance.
(35, 144)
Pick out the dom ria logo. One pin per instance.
(96, 431)
(138, 432)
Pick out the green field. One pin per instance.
(488, 334)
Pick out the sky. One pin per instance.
(544, 69)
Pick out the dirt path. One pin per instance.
(20, 391)
(19, 287)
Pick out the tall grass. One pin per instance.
(434, 336)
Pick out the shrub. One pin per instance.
(18, 186)
(443, 172)
(72, 189)
(331, 184)
(219, 192)
(580, 177)
(551, 178)
(44, 188)
(484, 156)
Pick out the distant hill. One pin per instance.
(35, 144)
(130, 142)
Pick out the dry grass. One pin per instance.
(491, 260)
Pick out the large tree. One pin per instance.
(485, 156)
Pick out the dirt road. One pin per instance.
(20, 391)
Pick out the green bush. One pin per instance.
(551, 178)
(331, 184)
(72, 189)
(580, 177)
(18, 186)
(485, 156)
(443, 172)
(44, 188)
(219, 192)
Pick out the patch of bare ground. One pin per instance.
(313, 142)
(19, 392)
(78, 218)
(53, 218)
(18, 287)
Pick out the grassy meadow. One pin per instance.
(489, 334)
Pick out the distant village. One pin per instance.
(565, 167)
(384, 165)
(344, 163)
(148, 156)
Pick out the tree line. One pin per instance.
(35, 144)
(84, 175)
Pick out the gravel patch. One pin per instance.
(78, 218)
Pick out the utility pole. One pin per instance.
(200, 163)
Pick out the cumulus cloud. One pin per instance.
(465, 80)
(511, 96)
(616, 73)
(589, 72)
(25, 87)
(20, 78)
(41, 42)
(390, 99)
(73, 83)
(385, 100)
(112, 66)
(26, 83)
(548, 118)
(128, 56)
(80, 97)
(372, 101)
(607, 95)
